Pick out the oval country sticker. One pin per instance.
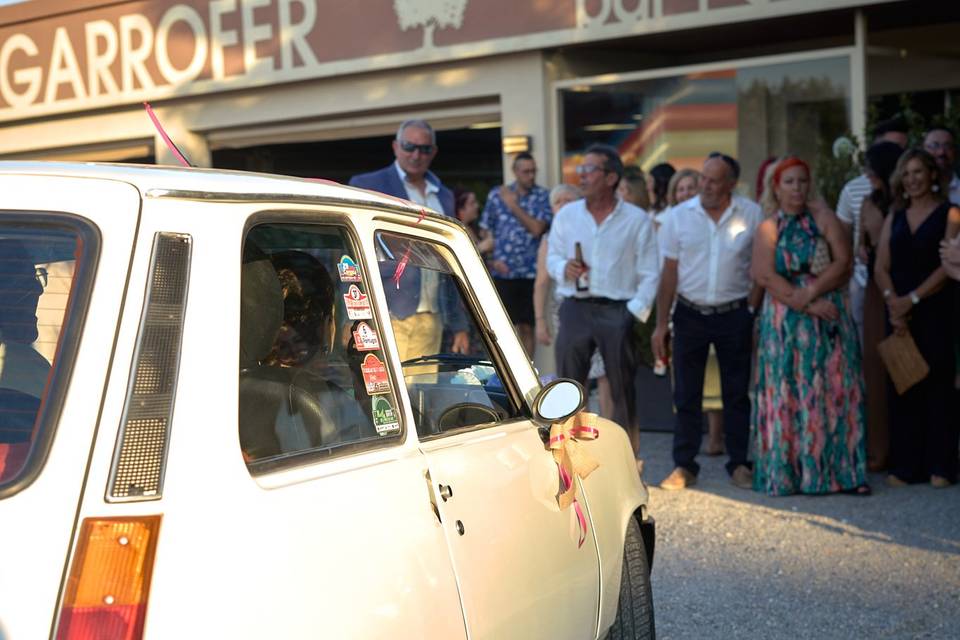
(358, 306)
(365, 338)
(349, 271)
(384, 416)
(374, 375)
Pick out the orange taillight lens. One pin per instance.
(106, 596)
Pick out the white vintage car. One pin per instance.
(229, 408)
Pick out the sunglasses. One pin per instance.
(410, 147)
(584, 169)
(938, 146)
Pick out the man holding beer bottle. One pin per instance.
(602, 253)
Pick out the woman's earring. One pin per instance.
(935, 188)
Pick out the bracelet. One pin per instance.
(887, 293)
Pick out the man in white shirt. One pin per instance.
(706, 246)
(940, 143)
(620, 266)
(848, 210)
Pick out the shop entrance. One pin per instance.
(468, 158)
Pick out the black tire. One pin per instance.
(634, 619)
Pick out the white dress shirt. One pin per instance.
(620, 252)
(429, 280)
(954, 190)
(713, 258)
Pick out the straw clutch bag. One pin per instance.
(821, 257)
(903, 360)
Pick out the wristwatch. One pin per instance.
(914, 298)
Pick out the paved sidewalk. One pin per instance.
(732, 563)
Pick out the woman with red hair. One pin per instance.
(808, 410)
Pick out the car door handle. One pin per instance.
(446, 492)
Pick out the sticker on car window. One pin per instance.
(349, 271)
(384, 416)
(365, 338)
(358, 305)
(374, 375)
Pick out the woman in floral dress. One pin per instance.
(808, 410)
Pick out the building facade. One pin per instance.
(317, 87)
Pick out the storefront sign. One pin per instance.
(121, 53)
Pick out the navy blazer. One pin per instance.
(403, 302)
(387, 180)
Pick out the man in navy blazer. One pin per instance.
(426, 302)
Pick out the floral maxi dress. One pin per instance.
(808, 418)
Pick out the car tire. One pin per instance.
(634, 619)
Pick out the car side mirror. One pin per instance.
(558, 400)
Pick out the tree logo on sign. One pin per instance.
(429, 14)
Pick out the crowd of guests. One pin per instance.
(770, 312)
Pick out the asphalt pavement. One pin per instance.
(732, 563)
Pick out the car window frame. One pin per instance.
(89, 239)
(336, 216)
(487, 334)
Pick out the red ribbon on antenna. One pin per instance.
(163, 134)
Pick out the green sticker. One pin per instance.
(384, 416)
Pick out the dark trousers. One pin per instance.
(607, 327)
(732, 336)
(924, 428)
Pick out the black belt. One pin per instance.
(594, 300)
(709, 311)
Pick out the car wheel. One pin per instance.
(634, 619)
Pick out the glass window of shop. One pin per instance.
(749, 111)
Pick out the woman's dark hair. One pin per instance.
(880, 160)
(460, 196)
(661, 175)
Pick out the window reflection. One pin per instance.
(750, 113)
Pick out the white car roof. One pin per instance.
(213, 183)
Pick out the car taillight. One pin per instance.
(106, 595)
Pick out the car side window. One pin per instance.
(449, 375)
(313, 377)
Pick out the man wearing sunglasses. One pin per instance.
(419, 308)
(619, 257)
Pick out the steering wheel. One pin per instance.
(465, 414)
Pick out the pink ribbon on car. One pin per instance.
(572, 460)
(402, 265)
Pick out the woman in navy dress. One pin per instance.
(924, 425)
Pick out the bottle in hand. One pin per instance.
(583, 282)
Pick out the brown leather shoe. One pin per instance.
(939, 482)
(678, 479)
(894, 481)
(742, 478)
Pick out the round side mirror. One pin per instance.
(558, 400)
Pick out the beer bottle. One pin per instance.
(583, 283)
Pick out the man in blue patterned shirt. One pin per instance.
(517, 215)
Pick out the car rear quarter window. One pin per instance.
(314, 380)
(44, 262)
